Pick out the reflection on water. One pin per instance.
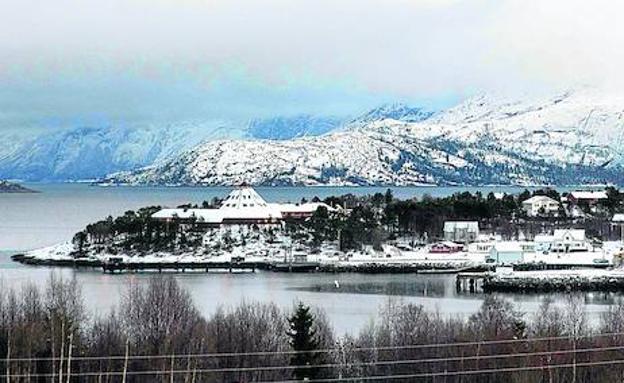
(416, 288)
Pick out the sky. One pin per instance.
(65, 63)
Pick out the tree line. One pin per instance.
(371, 220)
(158, 334)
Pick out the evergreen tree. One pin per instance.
(303, 341)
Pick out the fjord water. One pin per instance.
(34, 220)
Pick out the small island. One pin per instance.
(536, 231)
(10, 187)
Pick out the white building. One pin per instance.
(242, 206)
(461, 231)
(563, 241)
(540, 205)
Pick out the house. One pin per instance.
(303, 210)
(243, 206)
(563, 241)
(540, 205)
(569, 240)
(618, 220)
(461, 231)
(588, 197)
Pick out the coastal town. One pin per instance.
(501, 235)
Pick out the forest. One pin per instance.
(157, 333)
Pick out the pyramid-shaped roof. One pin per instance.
(245, 203)
(243, 197)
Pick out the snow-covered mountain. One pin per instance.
(285, 128)
(570, 138)
(93, 152)
(90, 153)
(395, 111)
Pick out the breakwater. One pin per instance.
(544, 282)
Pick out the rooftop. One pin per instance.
(589, 194)
(539, 198)
(454, 225)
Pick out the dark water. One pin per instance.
(33, 220)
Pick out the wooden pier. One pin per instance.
(470, 282)
(180, 267)
(294, 267)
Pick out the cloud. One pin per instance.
(295, 51)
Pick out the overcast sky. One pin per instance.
(71, 62)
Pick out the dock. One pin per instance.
(471, 281)
(179, 267)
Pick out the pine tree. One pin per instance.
(303, 340)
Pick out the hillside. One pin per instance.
(568, 138)
(10, 187)
(92, 152)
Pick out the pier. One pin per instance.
(470, 281)
(117, 265)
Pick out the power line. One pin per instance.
(357, 364)
(347, 379)
(457, 373)
(326, 350)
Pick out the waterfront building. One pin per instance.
(563, 241)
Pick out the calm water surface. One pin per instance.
(33, 220)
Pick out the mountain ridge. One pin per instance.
(569, 138)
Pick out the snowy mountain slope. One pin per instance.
(285, 128)
(93, 152)
(570, 138)
(394, 111)
(583, 127)
(88, 153)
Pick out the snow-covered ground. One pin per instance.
(279, 249)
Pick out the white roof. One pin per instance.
(544, 238)
(511, 246)
(204, 215)
(453, 225)
(576, 234)
(539, 198)
(618, 217)
(245, 203)
(309, 207)
(241, 203)
(581, 194)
